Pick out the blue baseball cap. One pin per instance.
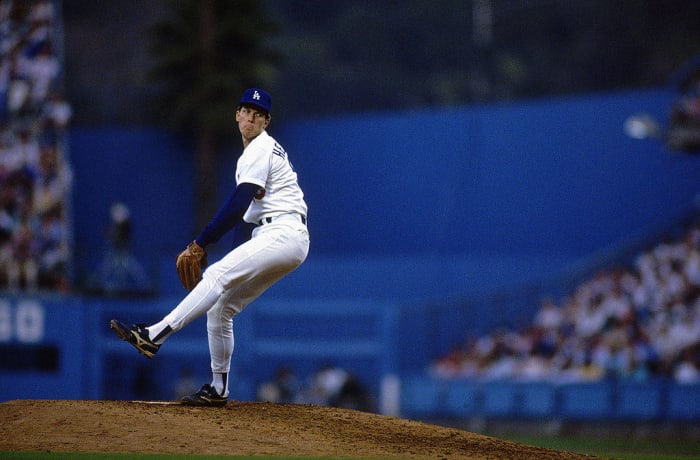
(258, 98)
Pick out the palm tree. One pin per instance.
(207, 52)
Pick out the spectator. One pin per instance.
(120, 273)
(284, 388)
(53, 252)
(51, 184)
(687, 371)
(353, 395)
(452, 364)
(549, 317)
(326, 385)
(23, 268)
(42, 70)
(56, 115)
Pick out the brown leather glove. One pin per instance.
(190, 264)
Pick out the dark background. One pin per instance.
(349, 56)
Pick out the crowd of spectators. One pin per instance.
(330, 385)
(34, 173)
(637, 322)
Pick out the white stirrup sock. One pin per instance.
(159, 332)
(220, 383)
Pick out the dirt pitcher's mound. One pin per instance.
(241, 428)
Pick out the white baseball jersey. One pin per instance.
(265, 163)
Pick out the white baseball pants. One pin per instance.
(241, 276)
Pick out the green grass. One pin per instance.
(618, 449)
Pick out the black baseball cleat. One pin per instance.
(137, 335)
(206, 396)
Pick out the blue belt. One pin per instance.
(268, 220)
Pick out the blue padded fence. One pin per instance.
(62, 348)
(426, 397)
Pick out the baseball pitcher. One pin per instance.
(267, 214)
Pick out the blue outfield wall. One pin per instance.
(44, 348)
(538, 183)
(608, 400)
(62, 348)
(547, 178)
(149, 170)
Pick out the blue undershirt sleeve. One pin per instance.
(229, 216)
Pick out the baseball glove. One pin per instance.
(190, 264)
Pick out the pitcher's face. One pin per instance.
(251, 122)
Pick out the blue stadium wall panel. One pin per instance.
(62, 348)
(150, 171)
(44, 348)
(517, 189)
(608, 400)
(543, 177)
